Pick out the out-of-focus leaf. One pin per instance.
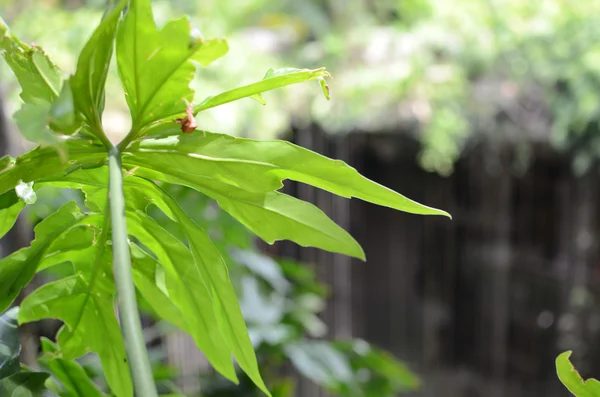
(155, 65)
(63, 117)
(96, 330)
(69, 372)
(320, 362)
(88, 83)
(33, 123)
(26, 384)
(387, 376)
(10, 208)
(569, 377)
(10, 345)
(263, 266)
(38, 77)
(274, 78)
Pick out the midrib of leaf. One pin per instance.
(205, 157)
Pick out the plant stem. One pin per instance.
(139, 363)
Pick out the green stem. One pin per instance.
(139, 363)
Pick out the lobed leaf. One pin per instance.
(39, 78)
(155, 65)
(212, 270)
(569, 377)
(186, 288)
(286, 161)
(97, 330)
(272, 216)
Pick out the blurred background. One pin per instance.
(488, 109)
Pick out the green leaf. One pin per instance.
(97, 329)
(69, 372)
(286, 161)
(63, 117)
(155, 65)
(320, 362)
(10, 345)
(569, 377)
(144, 276)
(38, 77)
(17, 269)
(10, 208)
(273, 216)
(324, 88)
(45, 162)
(89, 80)
(186, 289)
(274, 78)
(33, 124)
(25, 384)
(213, 272)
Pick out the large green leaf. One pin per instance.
(95, 330)
(272, 216)
(212, 270)
(10, 345)
(274, 78)
(569, 376)
(92, 68)
(186, 288)
(38, 77)
(10, 208)
(155, 66)
(287, 161)
(17, 269)
(69, 372)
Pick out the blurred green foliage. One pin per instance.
(449, 72)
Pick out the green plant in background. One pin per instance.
(569, 377)
(185, 281)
